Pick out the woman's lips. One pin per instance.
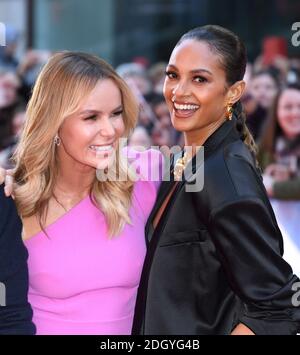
(184, 110)
(184, 113)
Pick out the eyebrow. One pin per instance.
(85, 112)
(194, 71)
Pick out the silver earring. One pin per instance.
(57, 140)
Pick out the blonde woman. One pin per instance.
(85, 237)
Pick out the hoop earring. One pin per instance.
(57, 140)
(229, 112)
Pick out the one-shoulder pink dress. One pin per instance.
(80, 280)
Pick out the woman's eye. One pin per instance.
(200, 79)
(171, 75)
(117, 113)
(94, 117)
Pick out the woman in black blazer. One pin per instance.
(214, 262)
(15, 311)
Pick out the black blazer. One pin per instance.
(214, 259)
(15, 311)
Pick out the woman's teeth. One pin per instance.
(103, 148)
(185, 107)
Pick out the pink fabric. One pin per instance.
(82, 282)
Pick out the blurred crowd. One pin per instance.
(271, 103)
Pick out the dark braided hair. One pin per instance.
(233, 59)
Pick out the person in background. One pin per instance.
(157, 76)
(279, 147)
(255, 114)
(10, 143)
(8, 58)
(259, 96)
(140, 138)
(29, 68)
(280, 159)
(162, 124)
(9, 100)
(136, 73)
(264, 86)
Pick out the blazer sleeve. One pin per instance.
(15, 311)
(249, 245)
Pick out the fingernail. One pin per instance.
(7, 191)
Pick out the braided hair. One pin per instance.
(242, 128)
(233, 58)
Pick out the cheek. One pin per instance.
(282, 117)
(167, 92)
(77, 132)
(119, 126)
(211, 100)
(271, 91)
(167, 89)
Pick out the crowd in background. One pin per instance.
(271, 103)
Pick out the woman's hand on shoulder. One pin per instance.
(6, 177)
(2, 175)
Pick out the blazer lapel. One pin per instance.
(165, 188)
(209, 147)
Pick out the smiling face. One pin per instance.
(264, 89)
(89, 137)
(195, 88)
(288, 112)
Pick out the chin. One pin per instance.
(104, 163)
(182, 126)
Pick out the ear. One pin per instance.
(235, 92)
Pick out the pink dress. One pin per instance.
(82, 282)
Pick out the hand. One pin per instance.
(241, 329)
(6, 176)
(268, 182)
(278, 172)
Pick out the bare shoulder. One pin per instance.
(31, 225)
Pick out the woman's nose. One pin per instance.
(181, 89)
(107, 128)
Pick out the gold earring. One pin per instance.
(229, 112)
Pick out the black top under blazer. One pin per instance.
(15, 311)
(214, 259)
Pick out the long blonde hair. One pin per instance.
(63, 82)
